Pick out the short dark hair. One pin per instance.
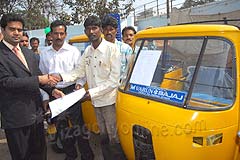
(128, 28)
(25, 34)
(109, 21)
(34, 39)
(57, 23)
(10, 17)
(92, 21)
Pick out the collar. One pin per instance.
(116, 41)
(11, 46)
(102, 46)
(65, 46)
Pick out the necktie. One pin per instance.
(20, 56)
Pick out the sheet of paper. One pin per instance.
(59, 105)
(145, 67)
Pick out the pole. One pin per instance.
(168, 16)
(145, 14)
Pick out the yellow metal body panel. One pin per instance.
(79, 39)
(173, 128)
(189, 31)
(90, 117)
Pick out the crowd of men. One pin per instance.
(30, 78)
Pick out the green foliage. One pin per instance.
(39, 13)
(81, 9)
(6, 6)
(36, 13)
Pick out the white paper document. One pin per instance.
(61, 104)
(145, 67)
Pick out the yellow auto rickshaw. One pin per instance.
(81, 42)
(180, 99)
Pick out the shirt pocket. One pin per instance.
(87, 60)
(103, 68)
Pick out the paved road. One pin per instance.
(94, 141)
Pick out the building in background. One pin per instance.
(157, 17)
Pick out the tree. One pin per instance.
(36, 13)
(80, 9)
(39, 13)
(7, 6)
(31, 11)
(192, 3)
(83, 8)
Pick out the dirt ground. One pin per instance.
(94, 141)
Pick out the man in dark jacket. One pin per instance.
(20, 100)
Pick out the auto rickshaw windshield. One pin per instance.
(193, 72)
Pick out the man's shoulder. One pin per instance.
(2, 44)
(26, 50)
(67, 45)
(70, 47)
(105, 45)
(105, 42)
(88, 47)
(124, 46)
(44, 51)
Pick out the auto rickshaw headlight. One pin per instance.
(214, 139)
(197, 141)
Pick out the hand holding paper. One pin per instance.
(57, 93)
(61, 104)
(86, 97)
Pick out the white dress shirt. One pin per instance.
(61, 61)
(101, 67)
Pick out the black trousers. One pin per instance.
(77, 132)
(27, 143)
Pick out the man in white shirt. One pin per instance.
(62, 57)
(100, 64)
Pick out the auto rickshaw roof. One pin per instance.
(187, 30)
(79, 39)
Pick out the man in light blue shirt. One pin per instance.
(110, 26)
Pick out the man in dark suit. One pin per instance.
(20, 99)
